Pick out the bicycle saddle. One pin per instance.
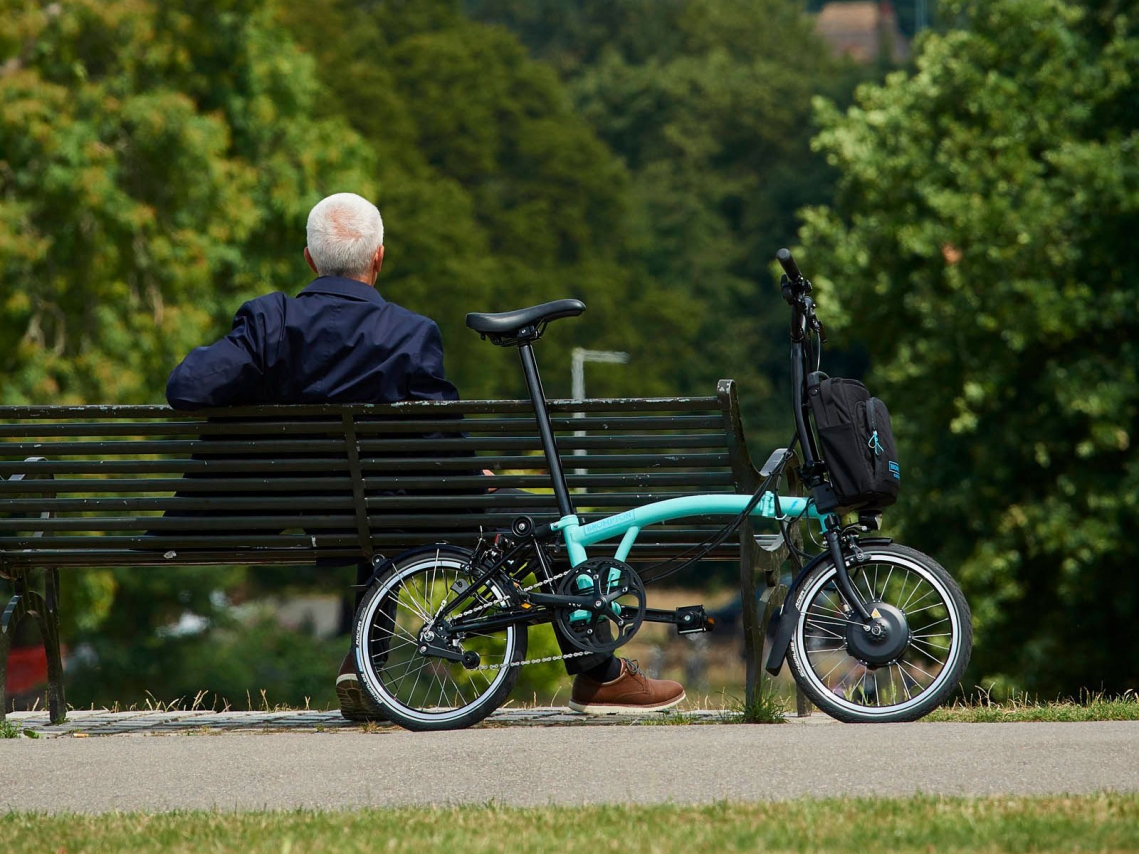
(523, 324)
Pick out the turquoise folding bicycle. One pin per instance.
(872, 631)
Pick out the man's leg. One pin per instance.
(605, 684)
(355, 705)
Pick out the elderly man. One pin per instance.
(339, 341)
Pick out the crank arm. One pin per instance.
(688, 620)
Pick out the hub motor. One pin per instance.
(883, 640)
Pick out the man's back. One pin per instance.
(338, 341)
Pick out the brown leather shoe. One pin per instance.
(630, 693)
(355, 705)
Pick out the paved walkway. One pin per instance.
(155, 761)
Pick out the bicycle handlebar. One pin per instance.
(783, 256)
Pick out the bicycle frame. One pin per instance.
(627, 525)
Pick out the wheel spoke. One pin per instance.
(911, 612)
(919, 647)
(835, 621)
(827, 634)
(905, 663)
(905, 606)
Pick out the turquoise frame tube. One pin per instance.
(628, 525)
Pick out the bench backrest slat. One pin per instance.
(143, 485)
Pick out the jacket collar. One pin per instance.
(341, 287)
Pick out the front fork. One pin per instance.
(842, 577)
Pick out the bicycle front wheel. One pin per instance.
(431, 693)
(901, 674)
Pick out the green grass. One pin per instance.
(767, 706)
(1089, 707)
(11, 730)
(1103, 822)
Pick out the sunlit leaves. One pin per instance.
(981, 236)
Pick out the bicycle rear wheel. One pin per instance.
(432, 693)
(901, 676)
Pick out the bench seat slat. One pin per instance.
(364, 427)
(634, 404)
(334, 447)
(697, 461)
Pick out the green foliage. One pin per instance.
(708, 104)
(767, 705)
(1091, 706)
(1107, 821)
(157, 163)
(495, 193)
(980, 243)
(234, 664)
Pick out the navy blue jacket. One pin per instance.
(338, 341)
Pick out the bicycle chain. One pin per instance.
(536, 584)
(533, 661)
(544, 660)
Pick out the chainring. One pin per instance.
(613, 599)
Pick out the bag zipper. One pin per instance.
(873, 443)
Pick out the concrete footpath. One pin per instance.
(151, 761)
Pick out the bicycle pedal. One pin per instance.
(692, 619)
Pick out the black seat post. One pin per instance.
(545, 428)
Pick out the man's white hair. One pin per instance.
(344, 232)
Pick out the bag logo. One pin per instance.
(895, 470)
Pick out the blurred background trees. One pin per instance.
(965, 214)
(979, 243)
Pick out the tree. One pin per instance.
(708, 104)
(157, 162)
(981, 245)
(157, 165)
(495, 193)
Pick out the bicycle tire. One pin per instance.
(938, 638)
(430, 693)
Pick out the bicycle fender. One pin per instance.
(380, 564)
(779, 632)
(782, 624)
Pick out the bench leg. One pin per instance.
(750, 556)
(44, 608)
(49, 629)
(758, 560)
(5, 648)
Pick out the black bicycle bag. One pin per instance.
(856, 442)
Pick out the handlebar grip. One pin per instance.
(783, 256)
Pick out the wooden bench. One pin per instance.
(147, 486)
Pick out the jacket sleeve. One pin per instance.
(227, 372)
(425, 379)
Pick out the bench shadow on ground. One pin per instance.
(151, 722)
